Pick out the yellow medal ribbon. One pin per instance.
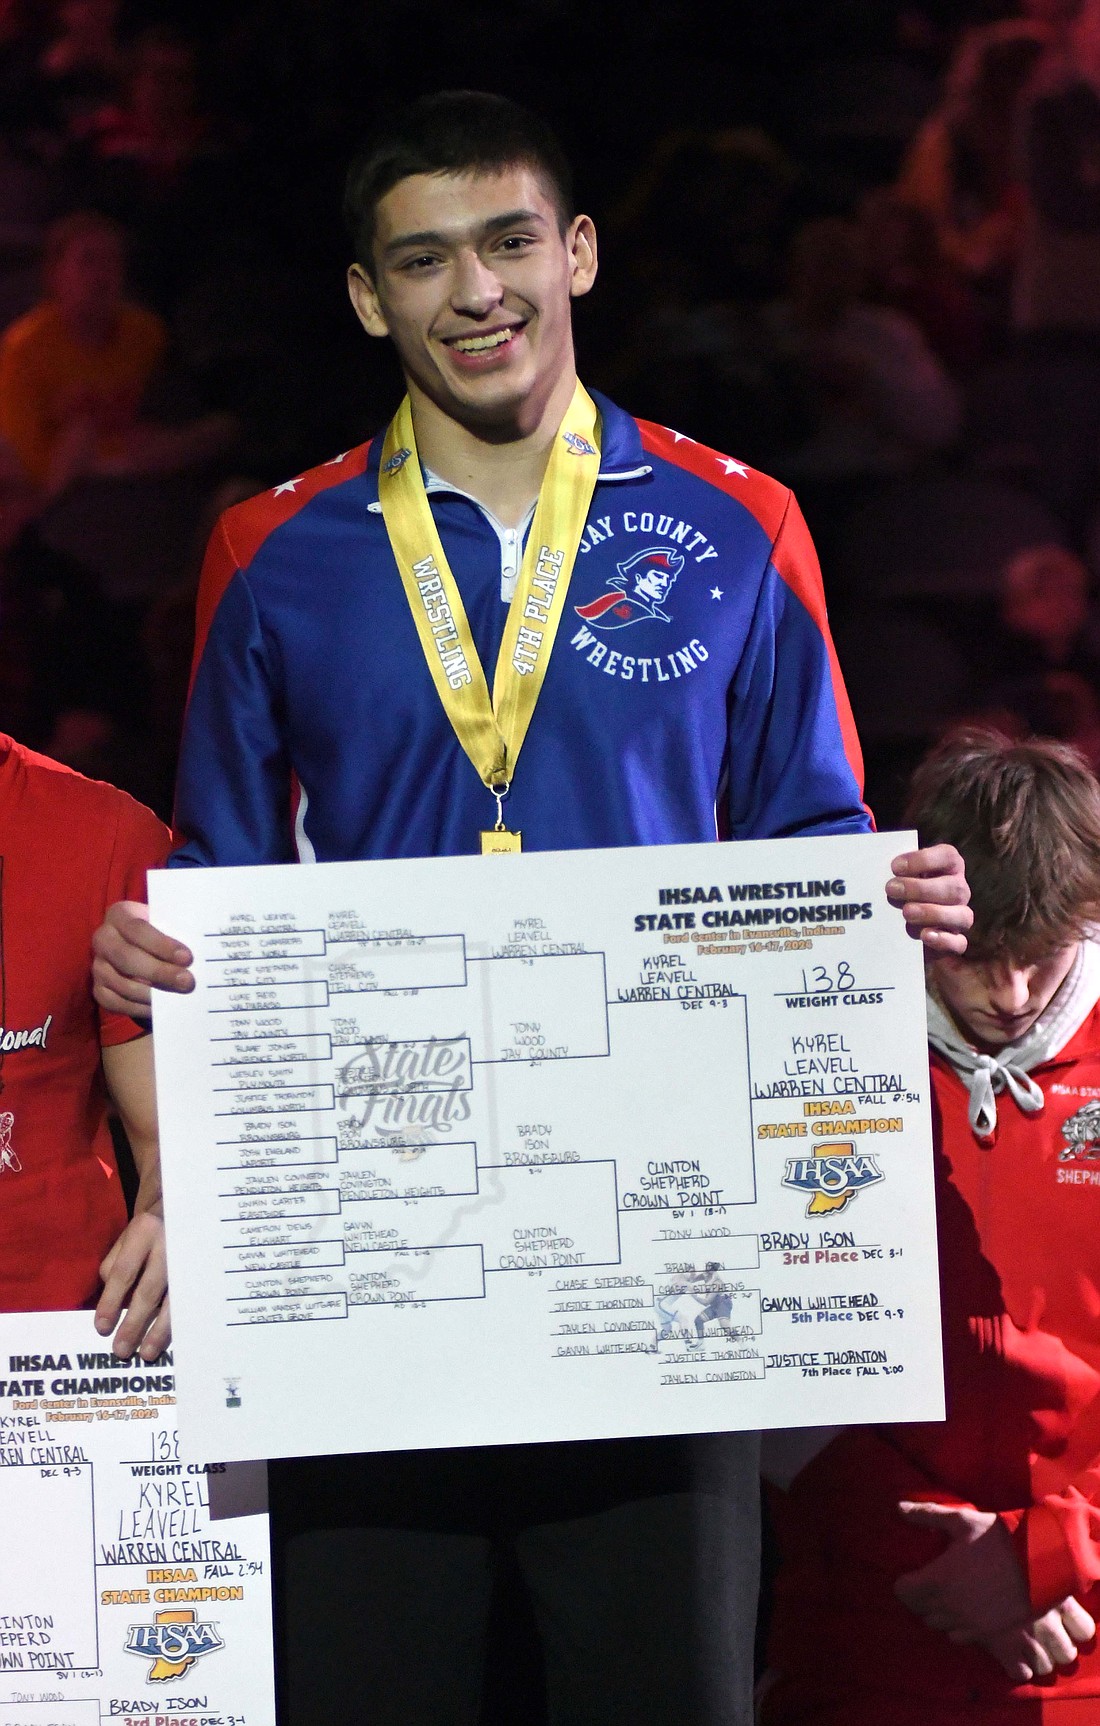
(491, 731)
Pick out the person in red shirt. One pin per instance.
(69, 847)
(949, 1572)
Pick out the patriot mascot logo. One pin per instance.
(637, 592)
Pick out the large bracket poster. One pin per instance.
(552, 1146)
(124, 1596)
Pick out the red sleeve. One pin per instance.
(141, 842)
(1058, 1540)
(851, 1491)
(218, 569)
(242, 530)
(794, 556)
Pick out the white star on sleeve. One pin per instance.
(732, 466)
(287, 485)
(682, 437)
(716, 593)
(336, 460)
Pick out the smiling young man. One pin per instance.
(665, 674)
(954, 1569)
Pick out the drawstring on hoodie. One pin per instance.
(986, 1076)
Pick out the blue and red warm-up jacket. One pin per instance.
(693, 692)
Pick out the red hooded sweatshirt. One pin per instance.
(1019, 1226)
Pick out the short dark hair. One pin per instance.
(1026, 818)
(451, 132)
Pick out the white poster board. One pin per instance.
(120, 1597)
(553, 1146)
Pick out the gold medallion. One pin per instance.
(491, 729)
(494, 839)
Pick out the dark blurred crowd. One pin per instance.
(855, 245)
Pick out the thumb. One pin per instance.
(940, 1518)
(129, 908)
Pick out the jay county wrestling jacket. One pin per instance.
(693, 691)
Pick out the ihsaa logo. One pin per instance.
(832, 1177)
(577, 445)
(173, 1642)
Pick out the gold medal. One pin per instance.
(494, 839)
(500, 838)
(491, 731)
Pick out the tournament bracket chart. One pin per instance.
(563, 1145)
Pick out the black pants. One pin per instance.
(645, 1608)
